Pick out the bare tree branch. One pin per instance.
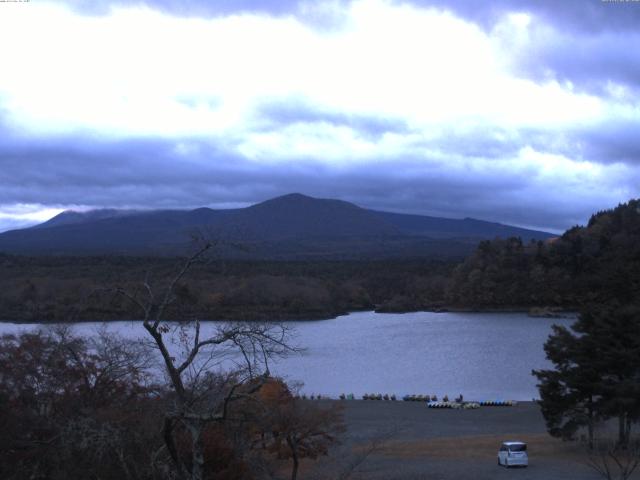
(201, 397)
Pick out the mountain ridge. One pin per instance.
(291, 225)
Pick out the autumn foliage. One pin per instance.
(73, 407)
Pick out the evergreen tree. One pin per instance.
(596, 374)
(614, 333)
(568, 393)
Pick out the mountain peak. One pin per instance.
(294, 196)
(290, 198)
(299, 200)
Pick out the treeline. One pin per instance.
(51, 289)
(586, 265)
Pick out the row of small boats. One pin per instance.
(497, 403)
(379, 396)
(431, 400)
(425, 398)
(454, 405)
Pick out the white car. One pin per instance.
(513, 454)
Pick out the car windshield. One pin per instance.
(520, 447)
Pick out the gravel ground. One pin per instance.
(407, 440)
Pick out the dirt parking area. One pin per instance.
(407, 440)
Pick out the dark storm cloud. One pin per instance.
(282, 113)
(586, 15)
(613, 141)
(591, 42)
(592, 62)
(146, 173)
(150, 174)
(608, 141)
(575, 15)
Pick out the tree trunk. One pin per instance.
(590, 423)
(197, 450)
(294, 456)
(622, 430)
(167, 433)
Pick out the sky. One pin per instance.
(521, 112)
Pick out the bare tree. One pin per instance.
(201, 396)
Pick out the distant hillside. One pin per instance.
(599, 263)
(293, 226)
(71, 217)
(471, 228)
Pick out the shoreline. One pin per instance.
(532, 312)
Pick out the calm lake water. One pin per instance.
(481, 355)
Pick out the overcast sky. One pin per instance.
(522, 112)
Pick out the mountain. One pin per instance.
(292, 226)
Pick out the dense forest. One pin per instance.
(594, 263)
(81, 288)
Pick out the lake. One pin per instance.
(479, 355)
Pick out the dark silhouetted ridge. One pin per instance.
(290, 226)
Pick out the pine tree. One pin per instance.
(596, 374)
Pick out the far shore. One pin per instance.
(533, 312)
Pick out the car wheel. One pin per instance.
(506, 463)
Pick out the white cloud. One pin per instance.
(126, 73)
(24, 215)
(142, 74)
